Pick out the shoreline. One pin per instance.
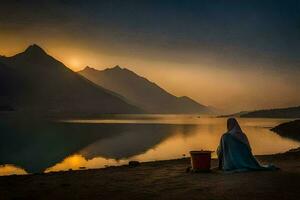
(160, 179)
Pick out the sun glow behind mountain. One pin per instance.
(232, 90)
(207, 53)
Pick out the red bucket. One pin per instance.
(200, 160)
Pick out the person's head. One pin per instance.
(232, 123)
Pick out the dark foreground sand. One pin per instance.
(160, 180)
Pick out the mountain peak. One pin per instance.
(120, 70)
(88, 68)
(116, 67)
(35, 49)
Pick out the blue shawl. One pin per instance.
(236, 156)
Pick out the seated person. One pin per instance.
(234, 151)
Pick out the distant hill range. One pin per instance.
(142, 92)
(291, 112)
(34, 82)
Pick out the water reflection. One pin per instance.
(10, 170)
(37, 146)
(135, 139)
(77, 162)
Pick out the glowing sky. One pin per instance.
(234, 55)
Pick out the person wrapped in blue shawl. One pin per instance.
(234, 151)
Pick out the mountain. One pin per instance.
(7, 86)
(291, 112)
(34, 82)
(142, 92)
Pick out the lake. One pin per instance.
(34, 146)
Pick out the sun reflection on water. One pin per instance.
(6, 170)
(77, 162)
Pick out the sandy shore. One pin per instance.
(159, 180)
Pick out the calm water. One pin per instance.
(35, 146)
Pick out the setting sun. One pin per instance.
(75, 64)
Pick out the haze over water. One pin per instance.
(81, 144)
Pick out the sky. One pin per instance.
(233, 55)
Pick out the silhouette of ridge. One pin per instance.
(142, 92)
(46, 85)
(35, 50)
(290, 112)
